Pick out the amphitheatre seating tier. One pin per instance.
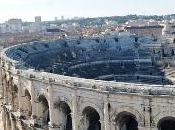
(91, 58)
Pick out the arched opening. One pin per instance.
(167, 123)
(126, 121)
(163, 52)
(44, 111)
(25, 107)
(27, 103)
(91, 119)
(65, 115)
(172, 52)
(15, 99)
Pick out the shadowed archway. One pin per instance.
(91, 119)
(167, 123)
(126, 121)
(65, 115)
(44, 110)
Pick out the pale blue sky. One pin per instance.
(48, 9)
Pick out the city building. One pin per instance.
(36, 27)
(37, 19)
(14, 25)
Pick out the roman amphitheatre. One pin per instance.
(90, 83)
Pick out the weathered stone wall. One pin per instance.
(40, 100)
(108, 104)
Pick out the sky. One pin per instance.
(49, 9)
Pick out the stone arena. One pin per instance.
(89, 83)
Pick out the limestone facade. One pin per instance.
(35, 100)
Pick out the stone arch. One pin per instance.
(43, 111)
(161, 115)
(95, 106)
(166, 123)
(91, 119)
(64, 115)
(172, 52)
(41, 94)
(126, 121)
(138, 115)
(24, 90)
(66, 100)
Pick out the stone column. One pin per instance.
(52, 124)
(106, 116)
(143, 128)
(4, 89)
(50, 102)
(4, 117)
(155, 128)
(10, 96)
(147, 112)
(8, 125)
(33, 105)
(114, 126)
(20, 94)
(102, 122)
(74, 113)
(13, 122)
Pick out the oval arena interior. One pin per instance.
(89, 83)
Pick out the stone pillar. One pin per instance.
(53, 123)
(34, 106)
(10, 96)
(4, 89)
(51, 104)
(147, 116)
(13, 122)
(4, 118)
(102, 122)
(106, 116)
(147, 113)
(114, 126)
(74, 113)
(8, 123)
(155, 128)
(33, 101)
(51, 107)
(20, 94)
(143, 128)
